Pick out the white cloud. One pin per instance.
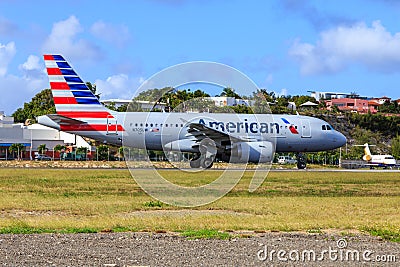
(284, 92)
(17, 89)
(63, 40)
(7, 53)
(117, 35)
(32, 67)
(372, 47)
(118, 86)
(32, 63)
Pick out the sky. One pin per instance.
(285, 46)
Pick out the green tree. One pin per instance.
(41, 104)
(60, 148)
(42, 149)
(230, 92)
(396, 147)
(16, 149)
(102, 152)
(122, 108)
(92, 87)
(82, 152)
(111, 106)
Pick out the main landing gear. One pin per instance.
(204, 159)
(198, 161)
(301, 161)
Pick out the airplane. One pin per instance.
(384, 161)
(238, 138)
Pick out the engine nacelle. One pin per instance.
(256, 152)
(367, 157)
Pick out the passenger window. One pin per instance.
(147, 125)
(151, 125)
(135, 124)
(166, 125)
(176, 125)
(141, 125)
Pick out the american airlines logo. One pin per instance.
(243, 126)
(292, 128)
(249, 127)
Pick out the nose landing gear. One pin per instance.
(301, 161)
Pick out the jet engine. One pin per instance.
(256, 152)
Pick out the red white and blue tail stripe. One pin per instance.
(73, 99)
(70, 93)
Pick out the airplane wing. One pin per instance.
(201, 131)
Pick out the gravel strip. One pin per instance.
(170, 249)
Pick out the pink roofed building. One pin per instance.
(353, 105)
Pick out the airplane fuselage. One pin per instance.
(153, 130)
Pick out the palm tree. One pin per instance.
(103, 152)
(42, 149)
(17, 148)
(59, 148)
(82, 151)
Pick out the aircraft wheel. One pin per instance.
(301, 162)
(207, 163)
(195, 162)
(301, 165)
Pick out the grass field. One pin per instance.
(87, 200)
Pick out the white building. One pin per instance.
(225, 101)
(330, 95)
(41, 134)
(32, 136)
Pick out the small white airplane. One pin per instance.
(238, 138)
(377, 160)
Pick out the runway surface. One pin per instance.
(170, 249)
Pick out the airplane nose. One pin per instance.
(341, 139)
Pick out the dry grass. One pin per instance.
(50, 200)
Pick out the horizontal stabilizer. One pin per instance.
(61, 120)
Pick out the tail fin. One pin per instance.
(367, 152)
(72, 97)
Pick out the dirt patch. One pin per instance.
(183, 213)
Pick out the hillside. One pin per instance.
(376, 129)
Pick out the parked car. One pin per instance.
(42, 157)
(286, 160)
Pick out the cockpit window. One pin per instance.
(326, 128)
